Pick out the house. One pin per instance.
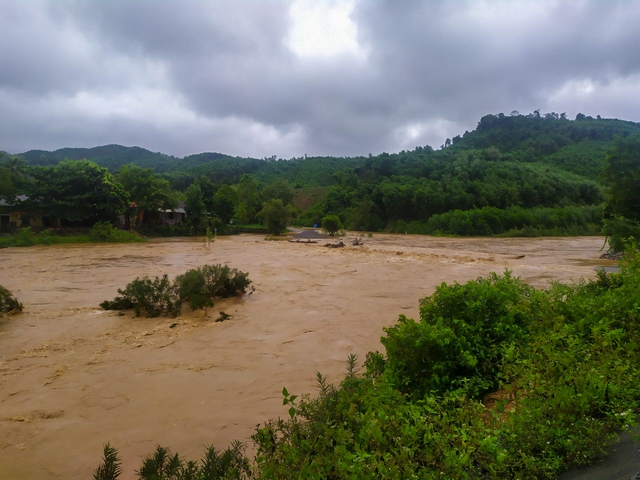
(13, 215)
(173, 216)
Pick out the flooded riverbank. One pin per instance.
(73, 376)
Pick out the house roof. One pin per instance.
(5, 203)
(309, 235)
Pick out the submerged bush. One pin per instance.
(156, 297)
(8, 303)
(106, 232)
(198, 287)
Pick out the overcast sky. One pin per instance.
(288, 78)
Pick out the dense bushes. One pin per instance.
(101, 232)
(106, 232)
(198, 287)
(512, 221)
(463, 333)
(8, 303)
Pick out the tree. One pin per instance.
(78, 191)
(331, 224)
(195, 208)
(224, 203)
(276, 215)
(280, 189)
(622, 174)
(146, 191)
(7, 189)
(12, 175)
(247, 199)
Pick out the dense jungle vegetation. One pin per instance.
(535, 174)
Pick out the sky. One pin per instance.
(304, 77)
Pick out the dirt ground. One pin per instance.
(73, 376)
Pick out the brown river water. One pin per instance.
(73, 376)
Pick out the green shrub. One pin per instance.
(25, 238)
(110, 468)
(462, 335)
(156, 297)
(228, 464)
(8, 303)
(106, 232)
(198, 287)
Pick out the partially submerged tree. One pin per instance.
(8, 302)
(331, 224)
(276, 215)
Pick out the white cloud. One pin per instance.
(323, 28)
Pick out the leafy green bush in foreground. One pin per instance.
(8, 303)
(198, 287)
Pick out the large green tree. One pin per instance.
(279, 189)
(622, 174)
(224, 203)
(78, 191)
(146, 192)
(276, 215)
(247, 199)
(195, 207)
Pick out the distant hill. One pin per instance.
(110, 156)
(576, 146)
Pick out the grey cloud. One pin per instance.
(432, 69)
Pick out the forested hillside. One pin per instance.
(513, 175)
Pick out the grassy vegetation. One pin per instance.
(101, 232)
(494, 380)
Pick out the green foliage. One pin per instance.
(79, 192)
(278, 190)
(247, 199)
(562, 364)
(622, 174)
(621, 232)
(462, 335)
(156, 297)
(228, 464)
(106, 232)
(566, 374)
(146, 192)
(8, 302)
(110, 468)
(276, 215)
(198, 287)
(191, 288)
(195, 208)
(25, 238)
(331, 224)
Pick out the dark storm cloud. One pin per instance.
(191, 76)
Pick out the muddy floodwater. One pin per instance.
(73, 376)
